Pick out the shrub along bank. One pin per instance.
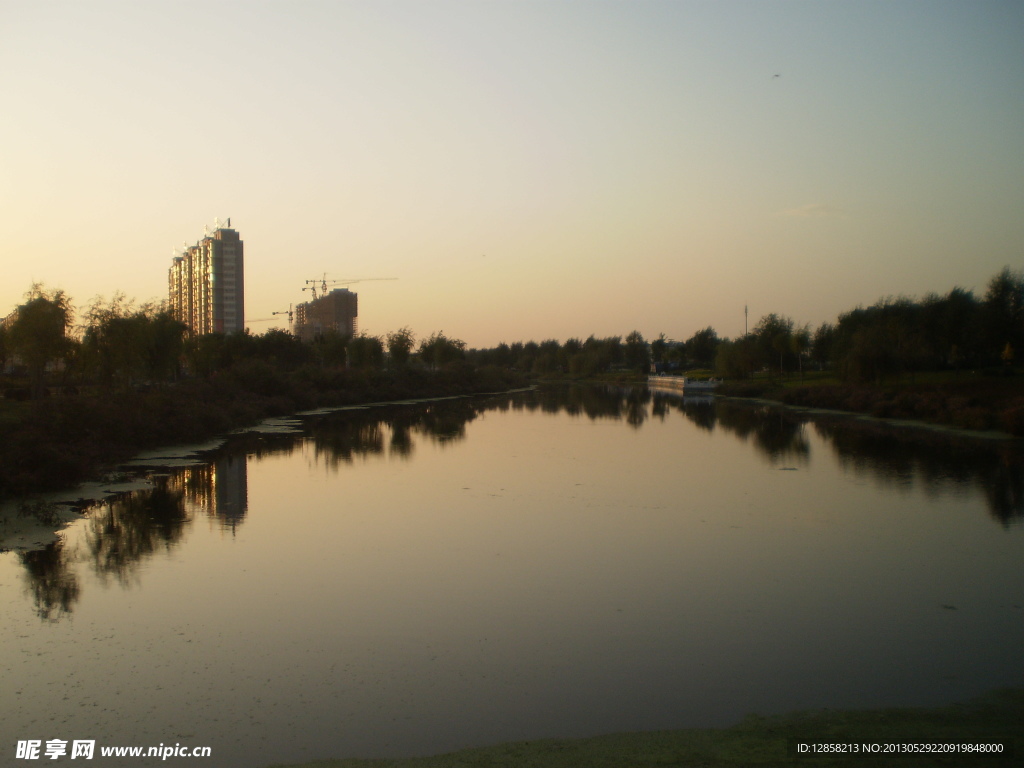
(965, 401)
(61, 441)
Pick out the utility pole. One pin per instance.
(745, 320)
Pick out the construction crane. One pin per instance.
(289, 312)
(324, 282)
(268, 319)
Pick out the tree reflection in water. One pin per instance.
(123, 532)
(895, 456)
(902, 457)
(50, 581)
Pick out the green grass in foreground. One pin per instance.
(761, 741)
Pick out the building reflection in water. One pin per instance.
(219, 490)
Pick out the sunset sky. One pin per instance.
(527, 170)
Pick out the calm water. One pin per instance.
(418, 578)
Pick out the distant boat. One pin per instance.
(683, 383)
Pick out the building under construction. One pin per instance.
(335, 311)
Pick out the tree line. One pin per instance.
(894, 336)
(120, 345)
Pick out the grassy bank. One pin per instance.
(964, 400)
(761, 741)
(60, 441)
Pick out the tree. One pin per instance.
(702, 347)
(331, 347)
(800, 343)
(821, 344)
(38, 334)
(366, 352)
(123, 344)
(165, 345)
(636, 354)
(771, 335)
(950, 327)
(884, 339)
(4, 345)
(658, 348)
(599, 355)
(400, 345)
(1004, 311)
(548, 357)
(281, 349)
(736, 359)
(207, 353)
(438, 350)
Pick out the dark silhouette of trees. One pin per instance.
(1003, 315)
(366, 352)
(658, 348)
(635, 354)
(400, 344)
(438, 351)
(330, 348)
(4, 348)
(772, 340)
(800, 345)
(702, 347)
(38, 334)
(737, 359)
(822, 343)
(122, 345)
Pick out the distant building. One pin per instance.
(206, 284)
(336, 311)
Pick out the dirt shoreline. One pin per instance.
(991, 719)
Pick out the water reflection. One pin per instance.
(901, 458)
(896, 457)
(124, 532)
(49, 580)
(121, 533)
(219, 490)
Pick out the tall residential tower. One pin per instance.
(206, 283)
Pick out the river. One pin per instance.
(413, 578)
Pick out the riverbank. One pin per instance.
(59, 442)
(979, 404)
(766, 741)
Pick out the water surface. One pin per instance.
(417, 578)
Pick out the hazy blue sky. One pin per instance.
(526, 169)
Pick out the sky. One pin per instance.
(526, 170)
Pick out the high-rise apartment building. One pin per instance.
(206, 284)
(335, 311)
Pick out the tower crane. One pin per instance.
(268, 319)
(324, 282)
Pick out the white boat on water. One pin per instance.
(704, 386)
